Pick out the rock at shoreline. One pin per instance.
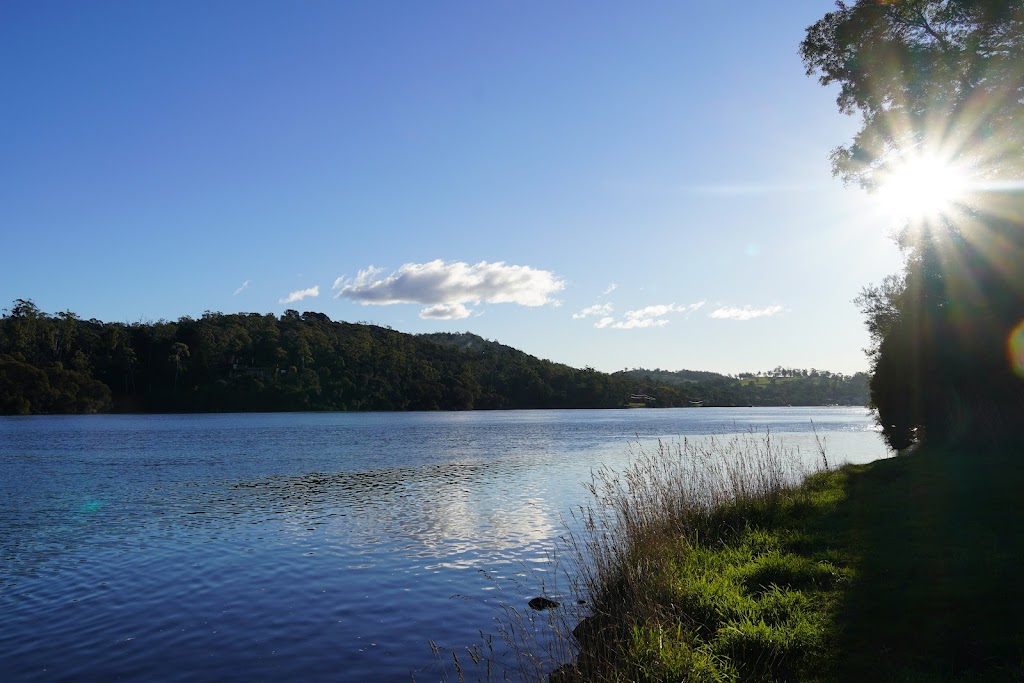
(542, 603)
(588, 631)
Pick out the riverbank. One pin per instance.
(904, 569)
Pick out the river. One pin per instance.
(311, 546)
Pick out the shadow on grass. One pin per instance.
(937, 539)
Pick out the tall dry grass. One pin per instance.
(629, 536)
(619, 553)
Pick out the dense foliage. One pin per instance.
(940, 81)
(924, 73)
(254, 362)
(777, 387)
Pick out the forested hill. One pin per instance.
(777, 387)
(261, 362)
(255, 362)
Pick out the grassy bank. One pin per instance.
(710, 564)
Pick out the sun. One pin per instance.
(923, 188)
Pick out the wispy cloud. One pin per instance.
(642, 318)
(363, 278)
(301, 294)
(446, 288)
(753, 188)
(595, 310)
(745, 313)
(245, 286)
(609, 289)
(639, 323)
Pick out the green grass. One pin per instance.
(906, 569)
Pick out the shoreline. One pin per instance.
(899, 569)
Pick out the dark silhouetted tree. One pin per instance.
(939, 82)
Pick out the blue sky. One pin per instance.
(605, 184)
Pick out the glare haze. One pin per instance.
(612, 185)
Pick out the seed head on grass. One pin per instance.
(680, 556)
(682, 567)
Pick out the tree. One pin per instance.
(925, 75)
(24, 318)
(179, 352)
(939, 82)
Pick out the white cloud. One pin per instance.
(640, 323)
(745, 313)
(363, 277)
(609, 289)
(301, 294)
(445, 312)
(653, 316)
(648, 316)
(595, 310)
(662, 310)
(437, 282)
(245, 286)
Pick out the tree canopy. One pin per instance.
(939, 83)
(941, 77)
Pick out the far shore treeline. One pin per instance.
(261, 362)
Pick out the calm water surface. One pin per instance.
(304, 546)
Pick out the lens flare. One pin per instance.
(1015, 349)
(90, 506)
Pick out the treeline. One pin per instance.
(254, 362)
(779, 387)
(261, 362)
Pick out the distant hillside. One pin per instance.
(261, 362)
(674, 378)
(254, 362)
(778, 387)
